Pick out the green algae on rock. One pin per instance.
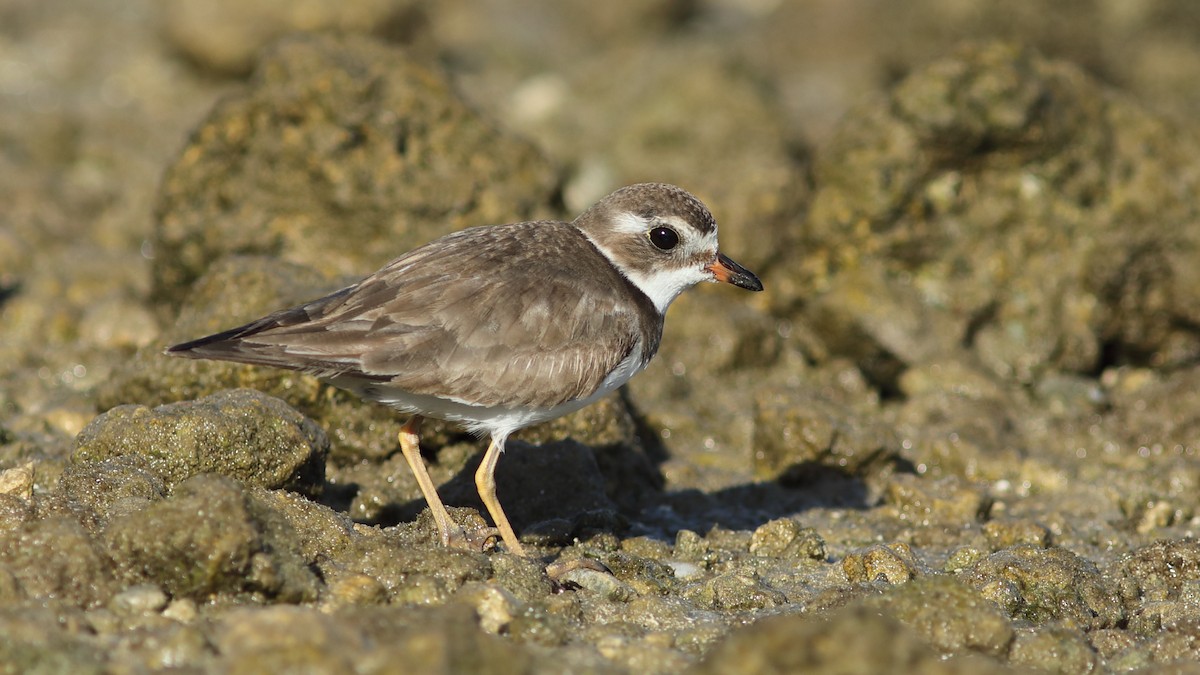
(242, 433)
(338, 130)
(1043, 585)
(893, 564)
(999, 190)
(225, 36)
(56, 558)
(207, 539)
(950, 615)
(796, 431)
(853, 640)
(96, 491)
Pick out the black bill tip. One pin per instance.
(727, 271)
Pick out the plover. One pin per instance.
(499, 327)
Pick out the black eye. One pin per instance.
(664, 238)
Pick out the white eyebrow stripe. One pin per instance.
(632, 223)
(677, 222)
(629, 222)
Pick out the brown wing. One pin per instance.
(445, 320)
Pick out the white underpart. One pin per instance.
(663, 283)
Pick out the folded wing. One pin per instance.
(515, 315)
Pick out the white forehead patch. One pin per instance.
(706, 243)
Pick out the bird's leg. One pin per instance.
(451, 534)
(410, 444)
(485, 482)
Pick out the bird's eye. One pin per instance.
(664, 238)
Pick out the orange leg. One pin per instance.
(485, 482)
(410, 444)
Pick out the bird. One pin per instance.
(499, 327)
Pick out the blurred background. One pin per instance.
(97, 97)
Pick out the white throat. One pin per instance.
(665, 284)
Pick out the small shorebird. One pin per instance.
(498, 328)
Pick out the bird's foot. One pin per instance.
(564, 573)
(476, 539)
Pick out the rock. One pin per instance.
(208, 539)
(646, 575)
(926, 502)
(735, 590)
(951, 616)
(786, 538)
(893, 564)
(1046, 585)
(495, 607)
(798, 434)
(17, 482)
(341, 155)
(882, 326)
(354, 588)
(421, 575)
(56, 559)
(973, 190)
(225, 37)
(13, 512)
(49, 640)
(1155, 410)
(137, 600)
(96, 488)
(244, 434)
(1060, 649)
(855, 640)
(949, 432)
(1160, 585)
(282, 638)
(1002, 534)
(604, 585)
(1163, 570)
(1176, 645)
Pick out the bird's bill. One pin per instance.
(725, 270)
